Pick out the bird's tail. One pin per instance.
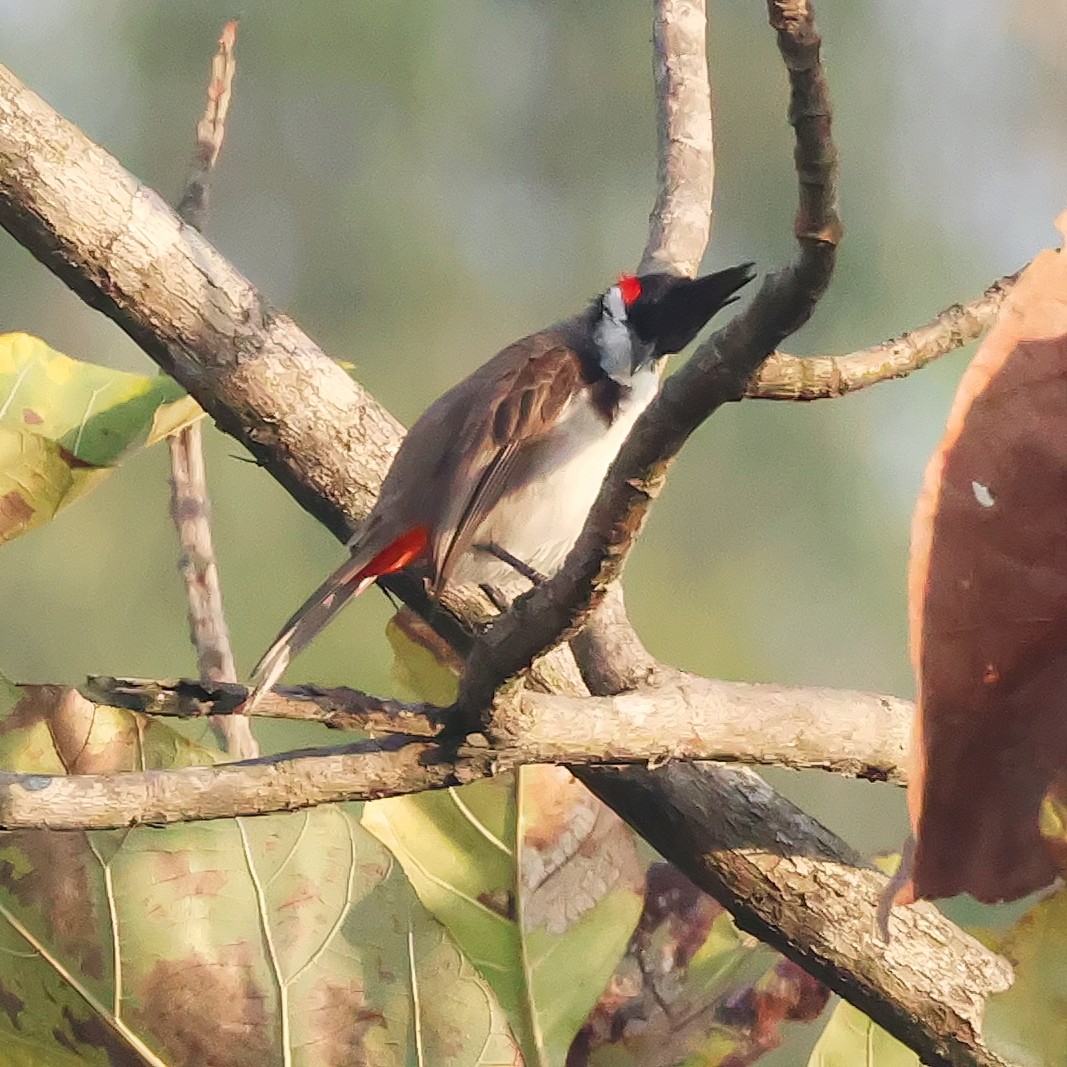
(348, 581)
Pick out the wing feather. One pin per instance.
(526, 403)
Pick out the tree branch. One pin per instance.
(681, 718)
(681, 218)
(210, 131)
(117, 245)
(338, 708)
(190, 503)
(785, 377)
(675, 715)
(718, 372)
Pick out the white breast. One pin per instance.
(540, 523)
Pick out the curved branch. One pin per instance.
(717, 373)
(785, 377)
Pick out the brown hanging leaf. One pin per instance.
(988, 605)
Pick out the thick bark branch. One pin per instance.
(124, 252)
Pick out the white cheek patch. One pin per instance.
(612, 337)
(614, 304)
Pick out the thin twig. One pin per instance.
(210, 131)
(675, 715)
(190, 503)
(339, 708)
(785, 377)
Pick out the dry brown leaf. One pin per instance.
(988, 604)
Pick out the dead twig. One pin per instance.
(190, 504)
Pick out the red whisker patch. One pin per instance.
(630, 287)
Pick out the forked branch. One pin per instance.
(717, 373)
(329, 443)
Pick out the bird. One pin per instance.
(498, 475)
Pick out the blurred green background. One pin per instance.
(420, 183)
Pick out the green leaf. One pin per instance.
(290, 940)
(64, 423)
(37, 477)
(423, 665)
(852, 1040)
(1027, 1024)
(537, 882)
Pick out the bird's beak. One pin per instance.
(640, 354)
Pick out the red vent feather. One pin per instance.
(404, 550)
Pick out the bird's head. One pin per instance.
(644, 317)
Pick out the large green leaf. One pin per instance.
(1027, 1024)
(63, 423)
(852, 1040)
(538, 883)
(290, 940)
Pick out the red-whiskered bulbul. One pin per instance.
(500, 472)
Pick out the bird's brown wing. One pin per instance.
(518, 409)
